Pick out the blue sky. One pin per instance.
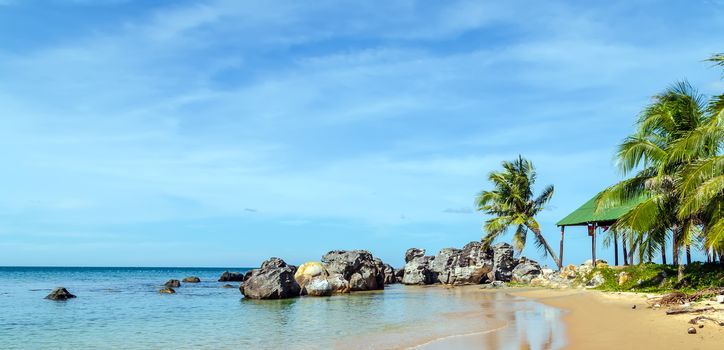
(220, 133)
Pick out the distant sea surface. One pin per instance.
(120, 308)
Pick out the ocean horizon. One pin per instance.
(120, 307)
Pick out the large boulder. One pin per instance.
(503, 262)
(338, 284)
(399, 273)
(471, 265)
(274, 280)
(60, 293)
(309, 271)
(526, 270)
(418, 268)
(318, 287)
(358, 267)
(231, 277)
(474, 264)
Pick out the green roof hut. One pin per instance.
(586, 215)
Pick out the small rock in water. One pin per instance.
(167, 290)
(173, 283)
(231, 277)
(691, 330)
(192, 279)
(60, 293)
(228, 286)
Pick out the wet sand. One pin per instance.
(590, 320)
(599, 320)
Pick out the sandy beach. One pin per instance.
(599, 320)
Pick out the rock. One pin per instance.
(338, 284)
(60, 293)
(227, 286)
(474, 265)
(589, 262)
(443, 264)
(231, 277)
(274, 280)
(633, 307)
(623, 277)
(309, 270)
(192, 279)
(526, 270)
(568, 272)
(318, 287)
(399, 273)
(596, 280)
(167, 290)
(547, 272)
(720, 299)
(701, 326)
(358, 267)
(390, 274)
(691, 330)
(419, 271)
(503, 262)
(172, 284)
(413, 253)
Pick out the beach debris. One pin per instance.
(274, 280)
(633, 307)
(60, 293)
(683, 298)
(691, 330)
(191, 279)
(687, 310)
(231, 277)
(172, 283)
(720, 299)
(701, 326)
(699, 319)
(167, 290)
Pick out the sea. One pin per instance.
(121, 308)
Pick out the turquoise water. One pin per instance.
(121, 308)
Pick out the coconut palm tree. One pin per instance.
(664, 145)
(512, 204)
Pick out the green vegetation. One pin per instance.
(655, 278)
(511, 203)
(677, 166)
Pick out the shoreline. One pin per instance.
(598, 320)
(604, 320)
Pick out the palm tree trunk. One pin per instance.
(547, 246)
(688, 254)
(675, 245)
(615, 248)
(663, 253)
(624, 244)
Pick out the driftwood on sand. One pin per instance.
(697, 319)
(687, 310)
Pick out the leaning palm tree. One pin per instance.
(511, 203)
(664, 145)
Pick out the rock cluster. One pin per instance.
(473, 264)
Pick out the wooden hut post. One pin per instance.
(615, 247)
(560, 257)
(624, 243)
